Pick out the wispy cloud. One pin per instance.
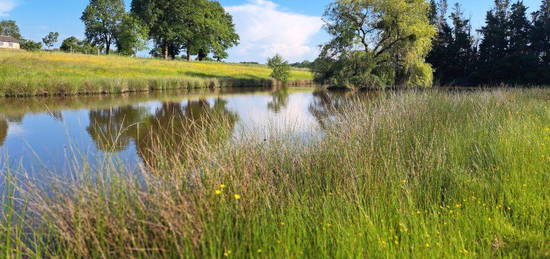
(6, 6)
(266, 30)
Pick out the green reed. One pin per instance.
(406, 174)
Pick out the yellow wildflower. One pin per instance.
(218, 192)
(259, 251)
(237, 196)
(227, 253)
(222, 186)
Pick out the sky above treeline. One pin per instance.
(292, 28)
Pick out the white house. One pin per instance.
(7, 42)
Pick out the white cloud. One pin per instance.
(6, 6)
(265, 31)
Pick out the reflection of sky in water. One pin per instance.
(41, 140)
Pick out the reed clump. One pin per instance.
(408, 174)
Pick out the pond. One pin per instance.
(53, 133)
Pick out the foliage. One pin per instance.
(280, 67)
(131, 36)
(30, 45)
(449, 185)
(199, 27)
(50, 39)
(392, 34)
(10, 28)
(513, 49)
(102, 19)
(74, 45)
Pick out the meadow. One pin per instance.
(55, 73)
(409, 174)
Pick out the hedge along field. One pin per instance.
(56, 73)
(404, 175)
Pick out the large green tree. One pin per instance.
(393, 36)
(102, 19)
(198, 27)
(131, 36)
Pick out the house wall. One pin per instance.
(9, 45)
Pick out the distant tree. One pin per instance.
(102, 19)
(30, 45)
(280, 67)
(540, 38)
(10, 28)
(394, 35)
(521, 58)
(50, 39)
(461, 50)
(439, 55)
(494, 45)
(200, 27)
(131, 36)
(164, 20)
(71, 44)
(218, 33)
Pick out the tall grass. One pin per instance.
(55, 73)
(408, 174)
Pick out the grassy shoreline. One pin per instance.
(406, 175)
(55, 73)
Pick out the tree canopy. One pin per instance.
(199, 27)
(377, 43)
(50, 39)
(102, 19)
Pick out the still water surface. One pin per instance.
(51, 133)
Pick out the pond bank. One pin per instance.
(61, 74)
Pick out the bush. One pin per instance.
(281, 68)
(31, 45)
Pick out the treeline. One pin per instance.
(195, 27)
(199, 28)
(514, 47)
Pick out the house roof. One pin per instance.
(8, 39)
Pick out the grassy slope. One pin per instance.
(409, 175)
(46, 72)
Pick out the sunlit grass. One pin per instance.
(36, 73)
(405, 175)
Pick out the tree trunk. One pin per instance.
(188, 54)
(165, 50)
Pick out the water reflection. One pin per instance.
(3, 131)
(279, 99)
(164, 132)
(130, 127)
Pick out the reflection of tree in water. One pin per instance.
(168, 135)
(165, 135)
(325, 104)
(111, 129)
(279, 100)
(3, 131)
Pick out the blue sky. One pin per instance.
(289, 27)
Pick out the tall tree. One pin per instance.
(394, 36)
(461, 48)
(540, 38)
(218, 33)
(521, 61)
(494, 45)
(199, 27)
(164, 20)
(102, 19)
(10, 28)
(50, 39)
(131, 36)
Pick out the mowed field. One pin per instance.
(51, 73)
